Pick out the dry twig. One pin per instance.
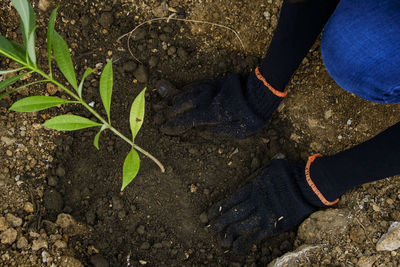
(129, 34)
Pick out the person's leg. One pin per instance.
(361, 48)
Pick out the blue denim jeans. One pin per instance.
(361, 48)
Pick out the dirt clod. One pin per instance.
(98, 261)
(8, 236)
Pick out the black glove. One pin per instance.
(270, 204)
(230, 107)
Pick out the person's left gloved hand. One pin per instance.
(234, 106)
(270, 204)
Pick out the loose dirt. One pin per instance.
(67, 193)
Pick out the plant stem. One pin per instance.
(97, 115)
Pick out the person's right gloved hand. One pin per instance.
(272, 203)
(230, 107)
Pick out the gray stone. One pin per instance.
(293, 258)
(391, 240)
(329, 224)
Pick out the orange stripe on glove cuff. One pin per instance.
(313, 186)
(272, 89)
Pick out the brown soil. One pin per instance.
(158, 220)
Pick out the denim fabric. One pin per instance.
(361, 48)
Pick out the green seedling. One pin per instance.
(25, 56)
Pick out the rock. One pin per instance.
(161, 10)
(3, 224)
(293, 258)
(328, 114)
(129, 66)
(391, 240)
(65, 220)
(203, 218)
(53, 200)
(8, 236)
(141, 74)
(70, 226)
(98, 261)
(43, 5)
(106, 19)
(324, 224)
(13, 220)
(67, 261)
(22, 243)
(51, 89)
(28, 207)
(39, 244)
(366, 261)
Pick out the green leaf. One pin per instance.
(28, 25)
(63, 59)
(12, 50)
(97, 137)
(10, 71)
(50, 35)
(37, 103)
(130, 168)
(2, 95)
(88, 71)
(4, 84)
(31, 47)
(69, 123)
(106, 86)
(137, 114)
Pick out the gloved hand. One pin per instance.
(230, 107)
(270, 204)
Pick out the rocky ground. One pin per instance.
(60, 203)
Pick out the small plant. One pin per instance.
(25, 56)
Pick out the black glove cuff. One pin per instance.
(260, 98)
